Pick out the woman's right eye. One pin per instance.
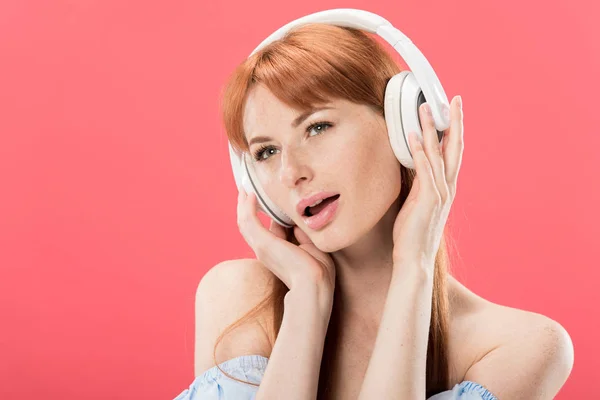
(259, 153)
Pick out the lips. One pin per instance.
(326, 214)
(310, 211)
(308, 201)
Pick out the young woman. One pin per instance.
(356, 300)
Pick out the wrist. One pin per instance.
(413, 270)
(310, 298)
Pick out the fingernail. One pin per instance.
(459, 100)
(416, 140)
(418, 144)
(427, 108)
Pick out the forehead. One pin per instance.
(261, 102)
(263, 108)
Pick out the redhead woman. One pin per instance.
(350, 295)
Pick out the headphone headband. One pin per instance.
(373, 23)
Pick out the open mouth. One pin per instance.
(311, 211)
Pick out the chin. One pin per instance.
(330, 240)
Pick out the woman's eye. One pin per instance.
(258, 154)
(318, 124)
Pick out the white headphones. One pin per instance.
(404, 93)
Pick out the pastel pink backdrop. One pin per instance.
(117, 195)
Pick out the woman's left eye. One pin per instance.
(319, 124)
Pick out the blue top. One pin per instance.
(214, 385)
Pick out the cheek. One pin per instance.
(377, 168)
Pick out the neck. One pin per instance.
(364, 270)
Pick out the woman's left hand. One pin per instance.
(419, 226)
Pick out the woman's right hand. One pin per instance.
(293, 264)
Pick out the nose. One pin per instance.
(293, 168)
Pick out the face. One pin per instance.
(347, 152)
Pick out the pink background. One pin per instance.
(116, 192)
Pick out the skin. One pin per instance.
(352, 157)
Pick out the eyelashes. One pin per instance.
(258, 154)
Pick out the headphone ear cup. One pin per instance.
(251, 184)
(394, 97)
(245, 179)
(403, 97)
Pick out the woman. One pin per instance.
(361, 303)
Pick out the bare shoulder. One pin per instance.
(480, 326)
(226, 293)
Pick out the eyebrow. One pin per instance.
(295, 123)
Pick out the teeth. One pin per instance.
(318, 202)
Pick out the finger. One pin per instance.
(433, 150)
(249, 224)
(301, 236)
(278, 230)
(269, 250)
(241, 214)
(422, 165)
(454, 145)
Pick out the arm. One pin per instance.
(295, 362)
(397, 366)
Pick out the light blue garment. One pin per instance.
(213, 385)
